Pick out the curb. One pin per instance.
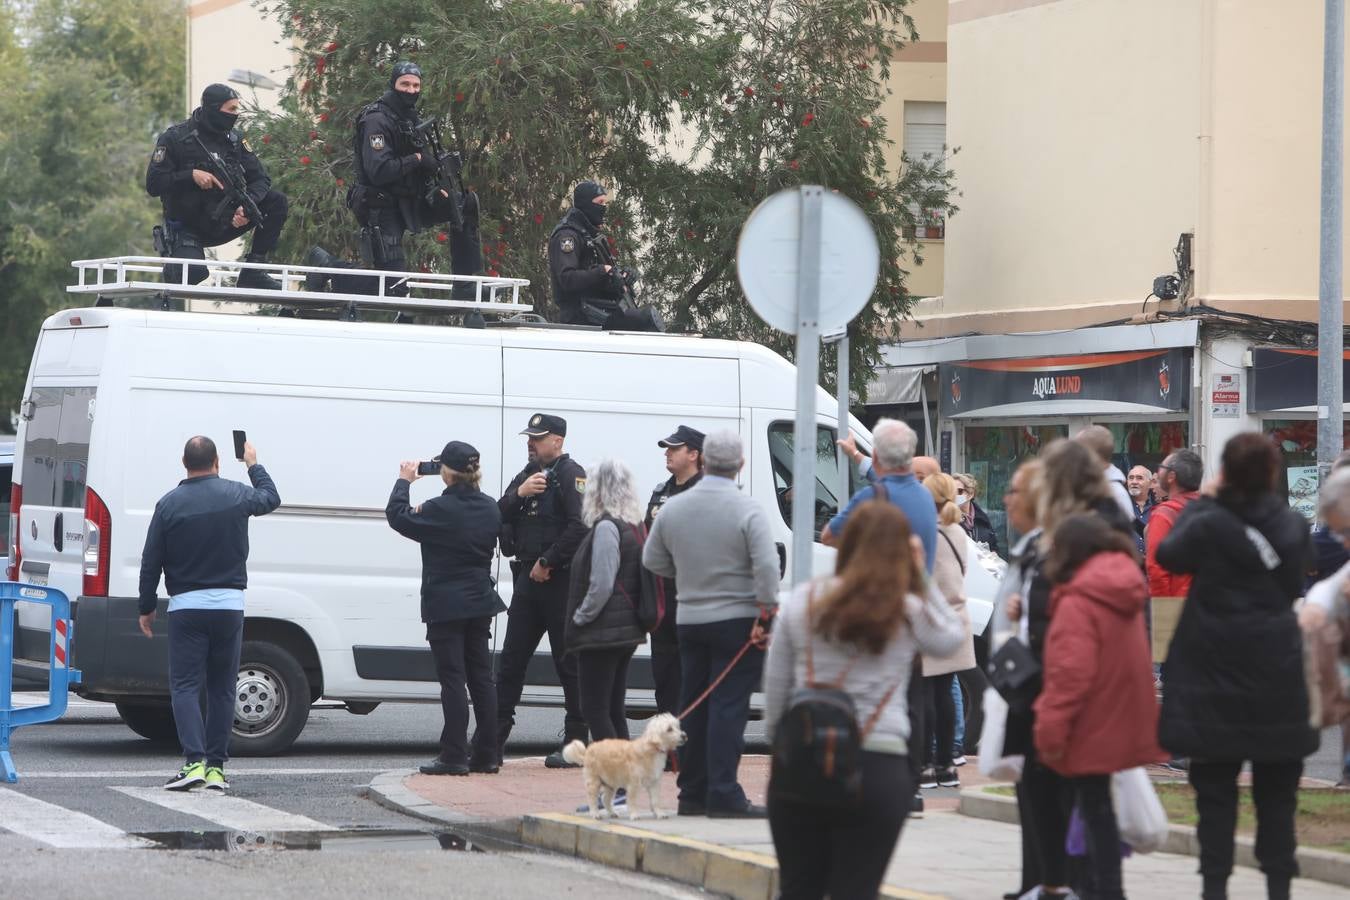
(1318, 865)
(720, 870)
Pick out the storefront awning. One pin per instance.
(894, 385)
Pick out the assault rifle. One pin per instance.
(622, 278)
(231, 175)
(446, 177)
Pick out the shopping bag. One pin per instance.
(992, 763)
(1139, 812)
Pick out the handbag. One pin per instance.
(1015, 673)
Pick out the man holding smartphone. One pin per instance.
(542, 508)
(198, 539)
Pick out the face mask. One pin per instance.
(220, 121)
(594, 213)
(407, 101)
(961, 499)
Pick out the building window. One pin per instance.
(926, 139)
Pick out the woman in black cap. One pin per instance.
(458, 533)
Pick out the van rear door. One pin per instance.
(52, 466)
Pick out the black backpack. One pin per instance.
(651, 601)
(817, 747)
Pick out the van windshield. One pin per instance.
(827, 473)
(55, 449)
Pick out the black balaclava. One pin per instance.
(403, 100)
(582, 197)
(215, 96)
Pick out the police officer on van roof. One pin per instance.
(457, 531)
(684, 462)
(541, 528)
(394, 168)
(192, 188)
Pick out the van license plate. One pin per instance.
(39, 580)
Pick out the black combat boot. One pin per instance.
(257, 278)
(317, 282)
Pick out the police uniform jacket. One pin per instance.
(458, 534)
(574, 267)
(664, 491)
(547, 526)
(177, 153)
(387, 163)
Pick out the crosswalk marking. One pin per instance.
(233, 813)
(57, 826)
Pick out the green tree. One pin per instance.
(79, 125)
(695, 111)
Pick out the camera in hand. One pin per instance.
(429, 468)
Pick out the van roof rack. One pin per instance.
(138, 276)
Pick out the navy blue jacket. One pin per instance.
(458, 533)
(199, 534)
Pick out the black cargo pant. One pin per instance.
(666, 659)
(193, 237)
(537, 608)
(462, 650)
(1275, 794)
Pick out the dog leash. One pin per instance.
(745, 648)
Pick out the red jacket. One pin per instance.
(1161, 582)
(1097, 713)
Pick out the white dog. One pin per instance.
(612, 764)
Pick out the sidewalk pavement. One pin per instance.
(942, 854)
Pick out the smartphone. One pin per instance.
(428, 468)
(239, 440)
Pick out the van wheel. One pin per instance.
(271, 701)
(150, 720)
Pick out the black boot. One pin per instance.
(256, 278)
(317, 282)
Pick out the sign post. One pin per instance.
(790, 243)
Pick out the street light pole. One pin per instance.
(1330, 325)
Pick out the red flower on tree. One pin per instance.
(323, 117)
(808, 119)
(320, 65)
(340, 182)
(304, 160)
(331, 46)
(459, 96)
(621, 46)
(647, 63)
(539, 218)
(267, 139)
(748, 91)
(794, 165)
(313, 135)
(442, 237)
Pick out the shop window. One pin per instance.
(992, 455)
(1297, 440)
(1147, 443)
(827, 473)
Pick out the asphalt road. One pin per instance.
(87, 818)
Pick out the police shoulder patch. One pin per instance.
(377, 142)
(243, 142)
(158, 156)
(567, 245)
(581, 485)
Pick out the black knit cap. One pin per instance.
(217, 95)
(587, 191)
(403, 68)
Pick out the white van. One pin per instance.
(333, 407)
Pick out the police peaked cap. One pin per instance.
(404, 68)
(543, 423)
(586, 192)
(217, 95)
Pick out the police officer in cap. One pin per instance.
(457, 531)
(193, 190)
(541, 528)
(587, 287)
(394, 168)
(684, 462)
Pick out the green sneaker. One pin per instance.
(215, 779)
(188, 777)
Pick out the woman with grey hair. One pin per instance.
(602, 622)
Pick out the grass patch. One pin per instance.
(1322, 821)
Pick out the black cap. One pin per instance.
(459, 456)
(684, 436)
(587, 191)
(216, 95)
(404, 68)
(542, 424)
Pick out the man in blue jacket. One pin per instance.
(198, 539)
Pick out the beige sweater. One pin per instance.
(950, 577)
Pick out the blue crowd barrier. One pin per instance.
(60, 674)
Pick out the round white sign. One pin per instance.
(768, 258)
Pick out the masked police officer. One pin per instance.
(458, 533)
(542, 527)
(587, 287)
(201, 208)
(395, 192)
(684, 462)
